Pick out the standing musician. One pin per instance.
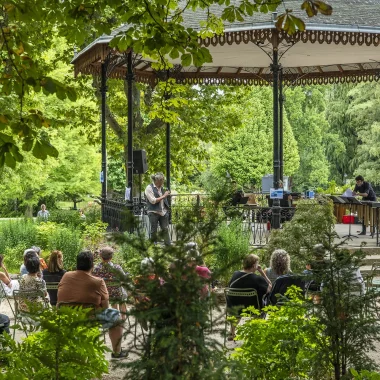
(158, 207)
(364, 189)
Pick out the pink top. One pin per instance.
(204, 273)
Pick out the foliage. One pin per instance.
(248, 159)
(172, 309)
(69, 241)
(230, 249)
(341, 139)
(17, 233)
(308, 227)
(348, 314)
(364, 375)
(305, 107)
(283, 345)
(45, 230)
(67, 347)
(333, 188)
(94, 234)
(69, 218)
(92, 212)
(155, 30)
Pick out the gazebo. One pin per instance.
(340, 48)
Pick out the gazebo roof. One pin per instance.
(343, 47)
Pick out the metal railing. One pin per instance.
(255, 220)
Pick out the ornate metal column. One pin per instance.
(103, 173)
(281, 100)
(130, 79)
(275, 67)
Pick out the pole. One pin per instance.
(281, 100)
(103, 174)
(168, 156)
(276, 135)
(130, 78)
(168, 151)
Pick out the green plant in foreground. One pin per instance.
(67, 347)
(282, 346)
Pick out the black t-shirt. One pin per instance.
(52, 277)
(250, 280)
(366, 187)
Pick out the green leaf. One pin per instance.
(186, 60)
(38, 151)
(9, 160)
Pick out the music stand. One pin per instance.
(350, 201)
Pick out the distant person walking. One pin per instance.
(43, 213)
(158, 207)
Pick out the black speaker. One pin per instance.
(140, 164)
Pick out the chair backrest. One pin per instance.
(375, 268)
(28, 297)
(75, 304)
(242, 296)
(282, 284)
(52, 285)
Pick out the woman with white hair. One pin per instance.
(279, 265)
(158, 207)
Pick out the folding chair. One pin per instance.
(239, 292)
(281, 285)
(139, 297)
(27, 296)
(3, 296)
(52, 288)
(374, 276)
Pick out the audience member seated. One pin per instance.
(279, 265)
(54, 273)
(282, 284)
(247, 279)
(111, 272)
(29, 252)
(32, 282)
(202, 271)
(4, 323)
(81, 287)
(351, 273)
(8, 285)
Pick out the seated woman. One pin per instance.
(247, 279)
(111, 272)
(34, 251)
(31, 282)
(54, 273)
(279, 265)
(8, 285)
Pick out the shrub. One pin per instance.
(231, 247)
(17, 232)
(45, 231)
(93, 213)
(94, 235)
(69, 218)
(68, 241)
(66, 347)
(312, 220)
(13, 257)
(282, 346)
